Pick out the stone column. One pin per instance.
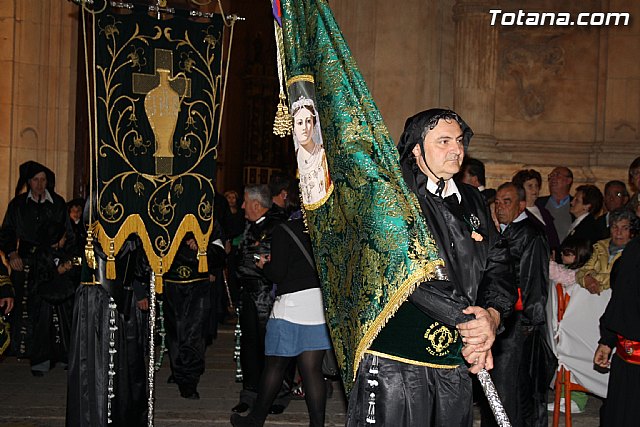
(476, 50)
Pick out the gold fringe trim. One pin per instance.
(410, 361)
(320, 202)
(5, 281)
(159, 263)
(408, 286)
(300, 78)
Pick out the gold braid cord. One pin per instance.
(282, 123)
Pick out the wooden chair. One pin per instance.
(564, 375)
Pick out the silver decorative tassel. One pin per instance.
(112, 352)
(236, 350)
(372, 387)
(493, 398)
(152, 332)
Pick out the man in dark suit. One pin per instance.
(523, 391)
(472, 173)
(557, 203)
(615, 196)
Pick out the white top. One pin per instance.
(47, 197)
(536, 212)
(302, 307)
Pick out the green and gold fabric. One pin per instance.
(157, 88)
(371, 243)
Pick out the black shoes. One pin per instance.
(240, 407)
(238, 420)
(37, 373)
(189, 391)
(276, 409)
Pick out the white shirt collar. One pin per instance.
(481, 188)
(519, 218)
(450, 188)
(578, 220)
(47, 197)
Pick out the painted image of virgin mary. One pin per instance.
(312, 161)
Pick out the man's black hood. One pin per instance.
(413, 134)
(30, 169)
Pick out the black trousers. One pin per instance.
(621, 407)
(254, 327)
(412, 396)
(40, 330)
(186, 311)
(514, 379)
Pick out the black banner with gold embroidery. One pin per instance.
(157, 94)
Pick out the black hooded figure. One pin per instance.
(33, 237)
(419, 356)
(107, 376)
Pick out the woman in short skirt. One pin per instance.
(296, 327)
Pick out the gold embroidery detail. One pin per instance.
(440, 337)
(184, 272)
(300, 78)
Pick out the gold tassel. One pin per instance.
(282, 123)
(89, 255)
(111, 268)
(111, 262)
(158, 284)
(203, 266)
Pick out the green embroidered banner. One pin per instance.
(371, 243)
(157, 91)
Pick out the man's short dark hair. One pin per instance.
(522, 196)
(591, 195)
(277, 182)
(616, 183)
(474, 167)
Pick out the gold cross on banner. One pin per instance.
(164, 93)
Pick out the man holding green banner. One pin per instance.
(414, 373)
(413, 285)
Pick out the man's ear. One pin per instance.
(523, 205)
(416, 151)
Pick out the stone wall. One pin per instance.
(535, 96)
(38, 48)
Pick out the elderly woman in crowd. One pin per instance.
(594, 275)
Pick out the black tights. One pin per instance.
(310, 367)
